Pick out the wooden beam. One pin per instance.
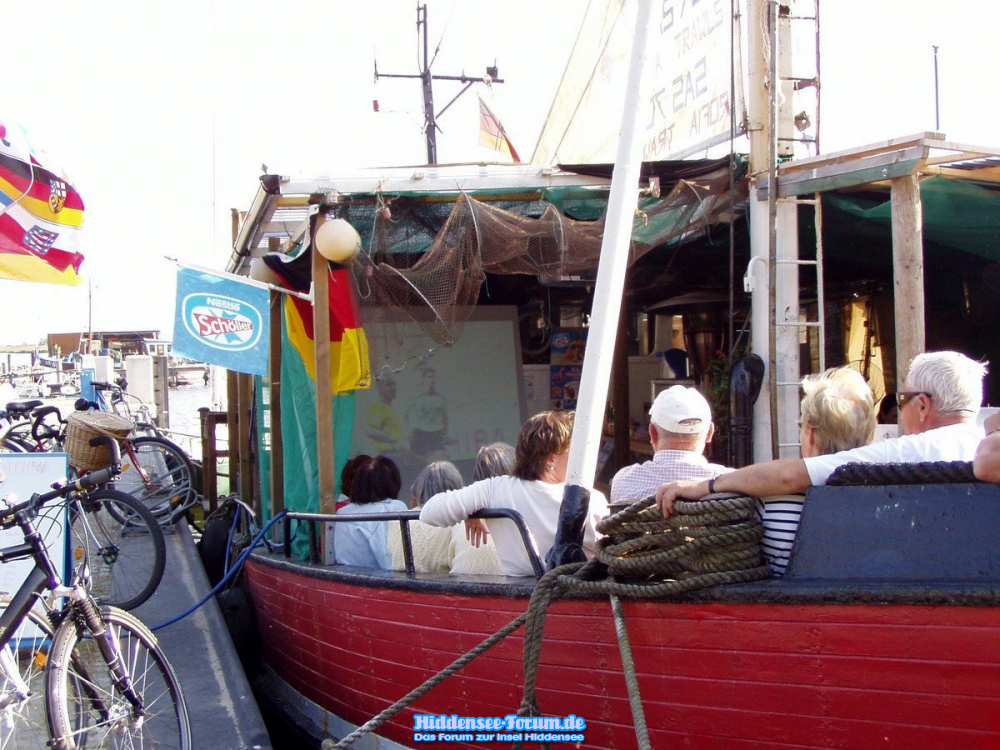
(908, 271)
(274, 379)
(247, 488)
(981, 174)
(889, 165)
(854, 154)
(324, 402)
(233, 430)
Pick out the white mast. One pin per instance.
(610, 285)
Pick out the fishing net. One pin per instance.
(428, 257)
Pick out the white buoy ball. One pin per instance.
(260, 271)
(337, 240)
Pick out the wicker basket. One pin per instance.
(82, 427)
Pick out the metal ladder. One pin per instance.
(802, 123)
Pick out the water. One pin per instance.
(185, 422)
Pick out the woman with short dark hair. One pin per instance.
(365, 543)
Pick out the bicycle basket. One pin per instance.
(82, 427)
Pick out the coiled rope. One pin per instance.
(644, 555)
(927, 472)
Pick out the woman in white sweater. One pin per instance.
(535, 491)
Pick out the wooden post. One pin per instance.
(324, 401)
(245, 431)
(232, 425)
(274, 378)
(907, 271)
(209, 487)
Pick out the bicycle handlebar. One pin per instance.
(41, 431)
(86, 483)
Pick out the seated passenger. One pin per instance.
(347, 478)
(365, 543)
(535, 491)
(473, 550)
(680, 427)
(431, 545)
(938, 404)
(837, 414)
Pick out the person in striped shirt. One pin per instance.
(680, 428)
(837, 414)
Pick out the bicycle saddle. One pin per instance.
(21, 408)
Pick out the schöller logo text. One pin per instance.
(221, 322)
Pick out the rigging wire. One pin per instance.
(443, 32)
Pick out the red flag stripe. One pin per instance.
(12, 241)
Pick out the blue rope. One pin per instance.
(226, 578)
(229, 540)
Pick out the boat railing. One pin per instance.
(404, 517)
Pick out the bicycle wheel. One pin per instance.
(123, 544)
(22, 718)
(13, 445)
(17, 439)
(84, 701)
(166, 480)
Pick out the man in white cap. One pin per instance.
(680, 428)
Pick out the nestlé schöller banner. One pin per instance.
(222, 321)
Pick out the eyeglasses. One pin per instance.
(904, 397)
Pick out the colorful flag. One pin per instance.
(40, 216)
(222, 320)
(349, 367)
(492, 135)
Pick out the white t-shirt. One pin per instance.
(537, 502)
(956, 442)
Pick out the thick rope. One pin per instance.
(928, 472)
(702, 544)
(639, 542)
(372, 724)
(631, 680)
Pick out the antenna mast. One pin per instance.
(427, 84)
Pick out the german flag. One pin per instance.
(40, 218)
(349, 366)
(492, 135)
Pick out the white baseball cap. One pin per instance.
(681, 409)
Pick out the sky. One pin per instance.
(163, 114)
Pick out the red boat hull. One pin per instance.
(710, 673)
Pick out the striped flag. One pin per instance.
(349, 367)
(492, 135)
(40, 216)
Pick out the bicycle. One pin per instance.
(107, 682)
(117, 532)
(163, 478)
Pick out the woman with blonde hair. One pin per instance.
(535, 490)
(837, 413)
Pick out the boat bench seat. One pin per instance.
(923, 533)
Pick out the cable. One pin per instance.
(226, 578)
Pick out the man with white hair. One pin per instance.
(680, 429)
(938, 404)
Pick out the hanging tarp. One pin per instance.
(956, 214)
